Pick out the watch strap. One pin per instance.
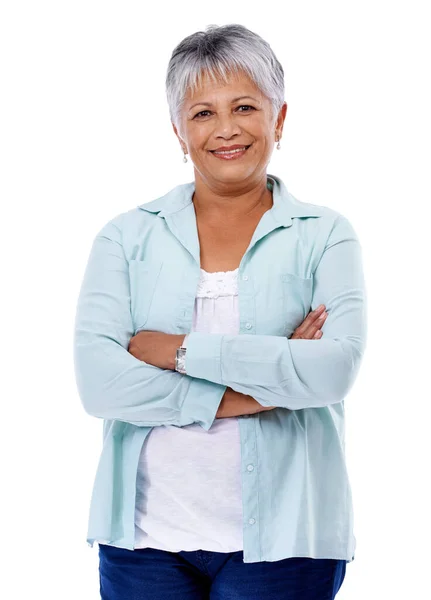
(184, 344)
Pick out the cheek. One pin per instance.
(264, 143)
(198, 144)
(198, 135)
(261, 132)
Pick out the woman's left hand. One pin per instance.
(156, 348)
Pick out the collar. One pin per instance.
(285, 205)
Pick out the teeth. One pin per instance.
(230, 151)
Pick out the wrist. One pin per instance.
(180, 342)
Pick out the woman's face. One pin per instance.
(220, 116)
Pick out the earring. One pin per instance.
(185, 157)
(278, 145)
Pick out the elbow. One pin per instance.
(320, 374)
(89, 397)
(333, 380)
(93, 397)
(347, 368)
(91, 407)
(97, 373)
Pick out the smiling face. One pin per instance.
(220, 116)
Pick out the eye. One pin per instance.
(201, 113)
(204, 113)
(246, 106)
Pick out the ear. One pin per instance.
(280, 119)
(178, 136)
(174, 127)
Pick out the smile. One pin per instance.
(230, 154)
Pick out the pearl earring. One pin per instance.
(278, 145)
(185, 157)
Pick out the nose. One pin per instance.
(226, 126)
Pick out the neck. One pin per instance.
(232, 201)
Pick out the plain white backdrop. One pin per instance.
(85, 134)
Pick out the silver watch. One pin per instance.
(180, 358)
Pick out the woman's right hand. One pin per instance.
(308, 330)
(310, 326)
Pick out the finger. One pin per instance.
(311, 334)
(316, 326)
(309, 331)
(311, 318)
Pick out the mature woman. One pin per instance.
(202, 341)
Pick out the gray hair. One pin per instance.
(219, 52)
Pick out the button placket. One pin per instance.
(250, 495)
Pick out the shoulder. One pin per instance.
(327, 228)
(310, 209)
(327, 219)
(314, 215)
(127, 226)
(170, 202)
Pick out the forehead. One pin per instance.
(209, 90)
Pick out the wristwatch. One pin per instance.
(180, 358)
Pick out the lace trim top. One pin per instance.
(220, 283)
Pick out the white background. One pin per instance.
(85, 134)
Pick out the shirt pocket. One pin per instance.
(143, 281)
(297, 294)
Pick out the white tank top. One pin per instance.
(188, 494)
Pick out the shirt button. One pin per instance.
(250, 467)
(245, 277)
(252, 521)
(248, 326)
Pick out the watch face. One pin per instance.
(180, 360)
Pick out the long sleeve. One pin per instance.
(112, 383)
(296, 374)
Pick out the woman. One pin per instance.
(202, 341)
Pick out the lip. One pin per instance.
(235, 147)
(232, 156)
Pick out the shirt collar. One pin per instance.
(285, 206)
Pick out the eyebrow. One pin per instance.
(234, 100)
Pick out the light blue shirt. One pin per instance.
(142, 274)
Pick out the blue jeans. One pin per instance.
(151, 574)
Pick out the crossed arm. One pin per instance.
(159, 349)
(292, 373)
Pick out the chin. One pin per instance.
(232, 175)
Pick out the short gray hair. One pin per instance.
(218, 52)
